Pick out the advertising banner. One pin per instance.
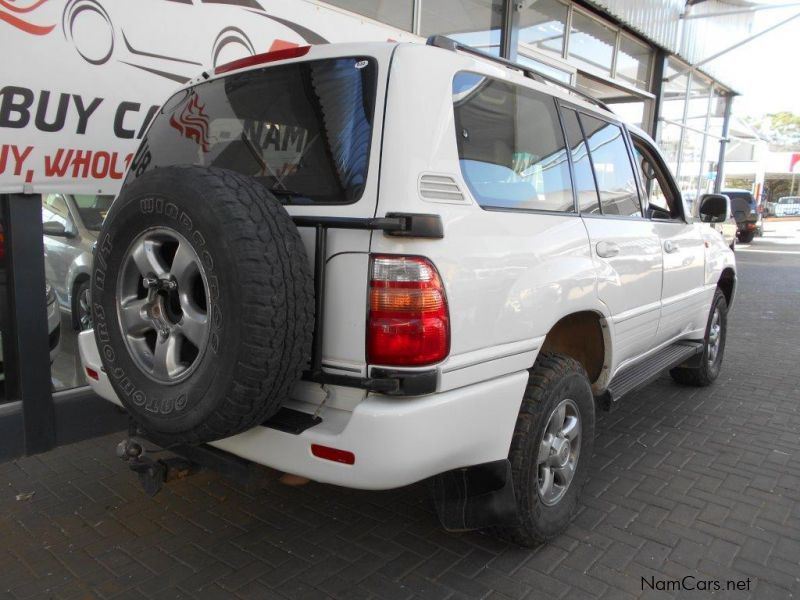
(81, 79)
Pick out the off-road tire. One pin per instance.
(553, 378)
(707, 373)
(260, 302)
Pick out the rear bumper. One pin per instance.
(396, 441)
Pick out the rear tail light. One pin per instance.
(408, 322)
(260, 59)
(92, 374)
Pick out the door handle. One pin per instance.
(670, 247)
(607, 249)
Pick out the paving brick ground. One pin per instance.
(685, 482)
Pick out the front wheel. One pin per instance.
(82, 306)
(550, 450)
(713, 348)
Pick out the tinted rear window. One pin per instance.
(303, 130)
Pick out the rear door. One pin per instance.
(625, 245)
(684, 297)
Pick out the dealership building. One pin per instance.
(69, 127)
(638, 57)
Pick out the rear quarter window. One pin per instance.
(510, 145)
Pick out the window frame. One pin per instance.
(545, 97)
(566, 105)
(654, 155)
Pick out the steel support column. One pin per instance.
(723, 144)
(509, 34)
(25, 343)
(658, 91)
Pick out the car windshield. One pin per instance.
(303, 130)
(93, 209)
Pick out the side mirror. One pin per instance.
(56, 229)
(714, 208)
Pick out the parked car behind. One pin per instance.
(71, 224)
(788, 206)
(745, 211)
(728, 228)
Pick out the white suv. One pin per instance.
(371, 264)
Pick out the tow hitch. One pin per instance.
(153, 474)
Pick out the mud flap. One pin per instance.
(475, 497)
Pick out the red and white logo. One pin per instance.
(20, 15)
(193, 121)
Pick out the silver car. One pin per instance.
(71, 224)
(788, 206)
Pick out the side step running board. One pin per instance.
(649, 369)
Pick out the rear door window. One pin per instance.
(510, 145)
(588, 199)
(303, 130)
(613, 171)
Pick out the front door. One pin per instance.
(625, 245)
(684, 297)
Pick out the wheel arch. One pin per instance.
(727, 283)
(583, 335)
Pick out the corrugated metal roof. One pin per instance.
(657, 20)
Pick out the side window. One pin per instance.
(54, 208)
(662, 203)
(510, 146)
(612, 168)
(588, 201)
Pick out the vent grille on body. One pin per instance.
(440, 188)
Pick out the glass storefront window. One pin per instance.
(633, 62)
(71, 223)
(669, 142)
(473, 22)
(591, 43)
(699, 91)
(398, 13)
(545, 68)
(631, 112)
(674, 91)
(542, 24)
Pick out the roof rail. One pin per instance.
(442, 41)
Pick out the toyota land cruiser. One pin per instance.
(372, 264)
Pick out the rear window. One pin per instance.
(303, 130)
(510, 145)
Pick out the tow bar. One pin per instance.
(153, 474)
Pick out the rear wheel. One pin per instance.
(713, 348)
(551, 447)
(745, 237)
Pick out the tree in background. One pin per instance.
(781, 129)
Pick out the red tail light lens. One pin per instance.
(266, 57)
(408, 322)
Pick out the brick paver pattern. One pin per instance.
(684, 482)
